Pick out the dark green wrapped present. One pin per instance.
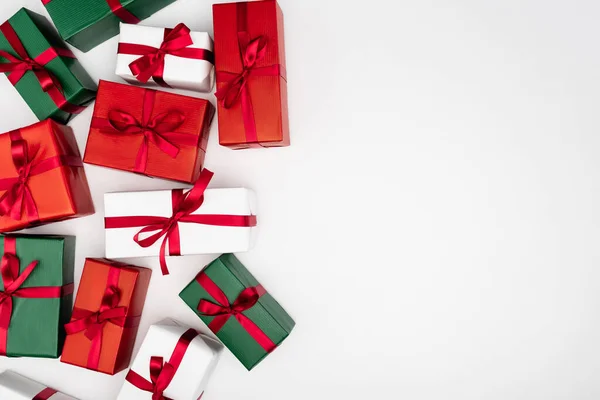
(238, 310)
(87, 23)
(36, 294)
(46, 74)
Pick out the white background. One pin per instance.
(434, 227)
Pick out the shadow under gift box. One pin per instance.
(87, 23)
(17, 387)
(128, 119)
(58, 193)
(38, 37)
(102, 282)
(258, 116)
(257, 326)
(36, 327)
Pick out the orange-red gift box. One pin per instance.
(131, 125)
(104, 282)
(252, 106)
(41, 177)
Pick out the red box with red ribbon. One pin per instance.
(106, 315)
(41, 177)
(149, 132)
(251, 74)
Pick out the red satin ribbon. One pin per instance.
(45, 394)
(17, 66)
(12, 279)
(152, 63)
(18, 196)
(183, 207)
(158, 130)
(222, 310)
(161, 374)
(116, 8)
(251, 51)
(93, 322)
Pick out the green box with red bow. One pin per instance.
(36, 294)
(236, 307)
(45, 73)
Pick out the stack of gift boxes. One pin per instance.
(149, 132)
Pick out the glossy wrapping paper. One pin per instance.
(117, 341)
(267, 316)
(267, 92)
(17, 387)
(60, 193)
(87, 23)
(36, 324)
(112, 148)
(37, 36)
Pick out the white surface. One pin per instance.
(434, 227)
(194, 238)
(184, 73)
(194, 372)
(17, 387)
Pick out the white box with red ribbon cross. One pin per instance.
(17, 387)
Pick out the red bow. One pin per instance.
(183, 207)
(12, 280)
(93, 322)
(17, 66)
(159, 130)
(161, 374)
(222, 310)
(152, 62)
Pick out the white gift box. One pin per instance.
(179, 72)
(194, 372)
(17, 387)
(194, 238)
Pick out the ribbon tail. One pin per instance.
(95, 350)
(141, 161)
(163, 256)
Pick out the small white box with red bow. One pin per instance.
(17, 387)
(177, 58)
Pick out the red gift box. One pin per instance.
(150, 132)
(251, 75)
(41, 177)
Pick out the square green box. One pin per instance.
(230, 275)
(37, 324)
(37, 35)
(87, 23)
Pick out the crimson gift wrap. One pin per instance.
(87, 23)
(44, 72)
(235, 306)
(41, 177)
(149, 132)
(106, 315)
(36, 294)
(251, 75)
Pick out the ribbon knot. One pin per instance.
(161, 375)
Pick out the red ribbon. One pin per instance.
(18, 196)
(93, 322)
(222, 310)
(116, 8)
(12, 279)
(152, 63)
(161, 374)
(183, 207)
(158, 130)
(45, 394)
(251, 51)
(17, 66)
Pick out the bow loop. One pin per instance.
(161, 376)
(124, 122)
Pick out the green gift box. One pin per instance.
(87, 23)
(36, 294)
(54, 83)
(238, 310)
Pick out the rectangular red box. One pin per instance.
(251, 74)
(41, 177)
(106, 288)
(150, 132)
